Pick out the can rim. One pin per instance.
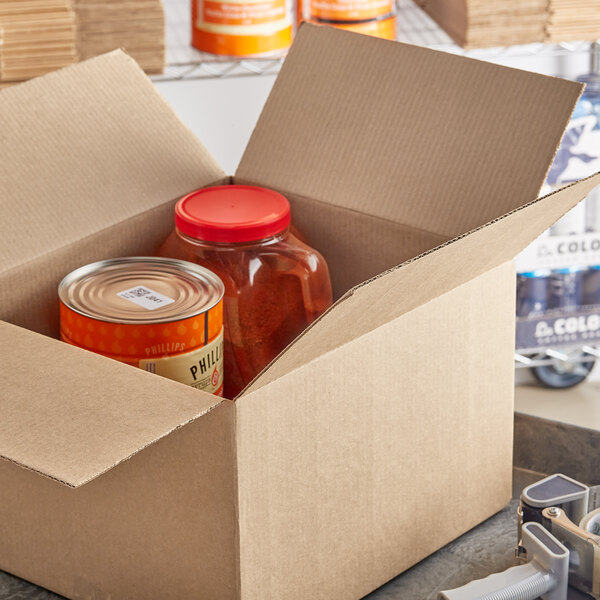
(190, 268)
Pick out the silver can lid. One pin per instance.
(141, 290)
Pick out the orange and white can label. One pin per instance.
(201, 368)
(243, 13)
(349, 10)
(241, 27)
(161, 315)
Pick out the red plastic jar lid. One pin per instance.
(232, 213)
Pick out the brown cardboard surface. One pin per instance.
(323, 480)
(419, 281)
(352, 469)
(40, 24)
(446, 160)
(28, 295)
(108, 148)
(360, 246)
(477, 24)
(82, 413)
(138, 27)
(451, 13)
(160, 525)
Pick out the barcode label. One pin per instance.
(138, 292)
(145, 297)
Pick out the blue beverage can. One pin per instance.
(591, 286)
(565, 289)
(532, 292)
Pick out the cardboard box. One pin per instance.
(380, 434)
(479, 24)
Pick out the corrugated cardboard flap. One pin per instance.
(71, 415)
(432, 140)
(84, 148)
(416, 282)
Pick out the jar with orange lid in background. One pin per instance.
(242, 28)
(275, 284)
(161, 315)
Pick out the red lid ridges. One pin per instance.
(232, 213)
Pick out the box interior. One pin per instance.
(405, 159)
(111, 158)
(378, 140)
(360, 247)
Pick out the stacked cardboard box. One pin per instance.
(573, 20)
(36, 36)
(506, 22)
(479, 23)
(138, 26)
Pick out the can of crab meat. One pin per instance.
(162, 315)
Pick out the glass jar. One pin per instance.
(275, 284)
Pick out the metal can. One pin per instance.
(346, 12)
(162, 315)
(242, 28)
(591, 286)
(565, 289)
(383, 27)
(532, 292)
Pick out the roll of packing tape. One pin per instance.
(591, 522)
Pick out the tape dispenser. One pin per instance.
(558, 546)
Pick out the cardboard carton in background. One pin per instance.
(381, 433)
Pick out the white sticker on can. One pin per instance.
(145, 297)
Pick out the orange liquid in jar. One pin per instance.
(274, 287)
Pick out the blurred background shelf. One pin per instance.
(414, 27)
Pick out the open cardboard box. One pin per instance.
(380, 434)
